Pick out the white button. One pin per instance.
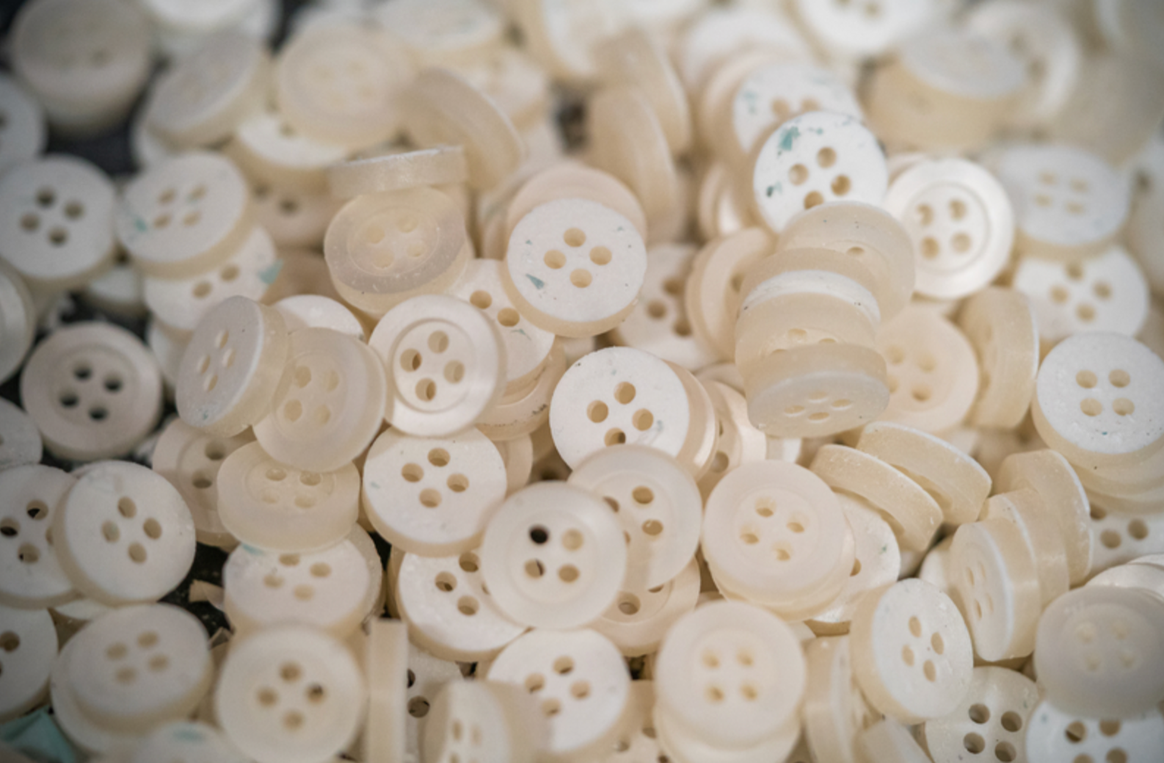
(679, 744)
(1068, 203)
(117, 290)
(20, 444)
(294, 218)
(448, 609)
(993, 718)
(571, 180)
(331, 409)
(1040, 532)
(1058, 735)
(575, 267)
(561, 36)
(54, 228)
(713, 292)
(425, 677)
(302, 311)
(174, 14)
(640, 617)
(271, 151)
(332, 589)
(553, 556)
(1121, 538)
(730, 673)
(184, 216)
(276, 506)
(445, 364)
(23, 133)
(290, 694)
(140, 665)
(854, 31)
(517, 455)
(189, 742)
(1093, 402)
(815, 158)
(1098, 652)
(397, 172)
(479, 719)
(635, 57)
(888, 740)
(29, 652)
(437, 32)
(232, 367)
(432, 495)
(87, 735)
(385, 664)
(1106, 292)
(17, 320)
(519, 87)
(637, 738)
(911, 651)
(722, 207)
(166, 350)
(834, 708)
(383, 249)
(628, 141)
(1001, 324)
(93, 390)
(657, 503)
(775, 534)
(579, 680)
(719, 32)
(525, 411)
(738, 442)
(32, 576)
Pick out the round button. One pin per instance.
(427, 675)
(290, 694)
(445, 30)
(29, 653)
(189, 742)
(1001, 325)
(432, 495)
(815, 158)
(719, 32)
(525, 411)
(629, 142)
(23, 134)
(1055, 734)
(732, 674)
(21, 444)
(31, 574)
(774, 533)
(382, 249)
(54, 227)
(294, 218)
(271, 151)
(332, 407)
(302, 311)
(93, 390)
(441, 165)
(553, 556)
(479, 719)
(275, 506)
(17, 321)
(137, 666)
(855, 31)
(634, 57)
(834, 708)
(640, 617)
(575, 267)
(911, 651)
(737, 441)
(184, 215)
(232, 366)
(516, 83)
(714, 288)
(1037, 524)
(994, 716)
(571, 180)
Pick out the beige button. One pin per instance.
(483, 719)
(398, 172)
(184, 216)
(517, 455)
(852, 32)
(167, 352)
(383, 249)
(1124, 481)
(722, 206)
(1001, 325)
(911, 651)
(888, 740)
(775, 534)
(290, 677)
(117, 290)
(190, 742)
(332, 589)
(713, 292)
(302, 311)
(443, 31)
(634, 57)
(737, 441)
(93, 391)
(32, 576)
(294, 218)
(519, 87)
(87, 735)
(303, 271)
(30, 652)
(815, 158)
(278, 507)
(1121, 538)
(1068, 203)
(54, 228)
(211, 91)
(579, 681)
(834, 708)
(1106, 292)
(331, 409)
(232, 367)
(628, 141)
(718, 33)
(570, 180)
(678, 743)
(1097, 650)
(525, 411)
(425, 676)
(574, 267)
(993, 717)
(20, 444)
(1058, 735)
(448, 611)
(17, 321)
(933, 372)
(386, 670)
(1137, 574)
(1087, 391)
(1041, 533)
(637, 738)
(23, 134)
(138, 666)
(339, 83)
(730, 674)
(640, 617)
(269, 150)
(816, 390)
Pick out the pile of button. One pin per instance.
(584, 380)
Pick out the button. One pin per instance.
(579, 681)
(184, 216)
(29, 653)
(232, 367)
(628, 141)
(294, 218)
(278, 507)
(722, 207)
(302, 311)
(1087, 391)
(426, 675)
(23, 135)
(525, 411)
(855, 32)
(383, 249)
(432, 495)
(397, 172)
(993, 716)
(1137, 574)
(443, 31)
(575, 267)
(332, 589)
(1095, 651)
(1107, 292)
(479, 718)
(209, 92)
(167, 353)
(553, 556)
(562, 36)
(77, 727)
(738, 442)
(634, 57)
(1058, 735)
(190, 742)
(54, 228)
(93, 391)
(386, 670)
(519, 87)
(1040, 531)
(571, 180)
(269, 150)
(815, 158)
(1121, 538)
(834, 708)
(177, 16)
(775, 535)
(32, 576)
(368, 70)
(639, 618)
(713, 98)
(713, 291)
(911, 651)
(21, 444)
(887, 739)
(448, 611)
(517, 455)
(719, 32)
(637, 738)
(17, 320)
(332, 407)
(138, 666)
(1001, 325)
(290, 694)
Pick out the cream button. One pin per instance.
(635, 57)
(29, 656)
(994, 716)
(714, 289)
(32, 576)
(716, 34)
(853, 32)
(640, 617)
(293, 218)
(269, 150)
(20, 445)
(190, 742)
(1002, 326)
(426, 675)
(834, 711)
(637, 737)
(483, 719)
(1056, 734)
(23, 134)
(302, 311)
(87, 735)
(629, 142)
(397, 172)
(888, 740)
(17, 320)
(571, 180)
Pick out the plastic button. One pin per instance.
(23, 134)
(21, 444)
(30, 654)
(32, 575)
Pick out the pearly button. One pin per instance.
(714, 289)
(815, 158)
(185, 741)
(32, 576)
(637, 58)
(1002, 326)
(574, 267)
(269, 150)
(17, 321)
(571, 180)
(479, 718)
(93, 390)
(28, 656)
(302, 311)
(637, 735)
(23, 134)
(440, 165)
(425, 676)
(630, 143)
(640, 617)
(20, 444)
(1056, 734)
(293, 218)
(54, 227)
(737, 441)
(834, 710)
(994, 716)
